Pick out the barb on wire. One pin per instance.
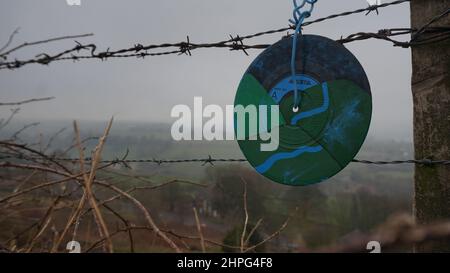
(141, 51)
(373, 8)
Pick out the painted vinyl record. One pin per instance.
(333, 119)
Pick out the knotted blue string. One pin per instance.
(298, 17)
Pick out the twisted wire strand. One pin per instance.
(211, 160)
(185, 47)
(442, 33)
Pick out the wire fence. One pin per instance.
(423, 35)
(211, 160)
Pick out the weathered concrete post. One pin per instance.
(431, 95)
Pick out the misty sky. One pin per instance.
(146, 90)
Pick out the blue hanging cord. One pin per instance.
(298, 17)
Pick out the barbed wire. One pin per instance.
(211, 160)
(235, 43)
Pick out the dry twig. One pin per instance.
(199, 229)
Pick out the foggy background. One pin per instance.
(145, 90)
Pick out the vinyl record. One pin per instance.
(335, 109)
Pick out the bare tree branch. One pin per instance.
(270, 237)
(26, 44)
(146, 213)
(10, 39)
(3, 123)
(199, 229)
(25, 101)
(89, 180)
(244, 229)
